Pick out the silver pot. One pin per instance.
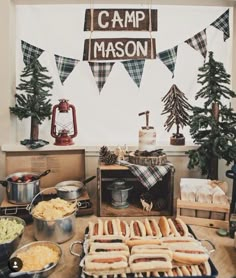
(21, 187)
(71, 189)
(7, 248)
(58, 230)
(40, 273)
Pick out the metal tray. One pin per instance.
(214, 271)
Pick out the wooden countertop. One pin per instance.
(224, 258)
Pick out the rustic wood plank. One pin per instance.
(120, 20)
(119, 49)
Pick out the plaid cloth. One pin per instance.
(135, 69)
(65, 66)
(168, 57)
(199, 42)
(148, 175)
(30, 52)
(222, 23)
(101, 72)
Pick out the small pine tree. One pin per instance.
(213, 127)
(176, 105)
(34, 101)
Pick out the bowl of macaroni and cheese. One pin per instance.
(39, 258)
(11, 231)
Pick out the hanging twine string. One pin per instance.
(91, 28)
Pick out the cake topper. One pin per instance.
(147, 120)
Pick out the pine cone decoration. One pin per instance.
(103, 152)
(110, 159)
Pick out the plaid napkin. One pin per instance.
(148, 175)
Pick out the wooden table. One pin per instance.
(224, 258)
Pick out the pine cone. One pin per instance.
(103, 152)
(110, 159)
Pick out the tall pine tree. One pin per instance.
(34, 102)
(213, 127)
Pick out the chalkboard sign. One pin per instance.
(120, 20)
(119, 48)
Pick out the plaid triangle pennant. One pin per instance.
(199, 42)
(65, 66)
(222, 23)
(101, 72)
(30, 52)
(135, 69)
(168, 57)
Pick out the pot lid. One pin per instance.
(119, 185)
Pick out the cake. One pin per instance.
(147, 140)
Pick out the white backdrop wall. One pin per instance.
(111, 117)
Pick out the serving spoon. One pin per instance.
(19, 273)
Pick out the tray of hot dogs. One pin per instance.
(163, 247)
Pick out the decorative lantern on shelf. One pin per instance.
(64, 125)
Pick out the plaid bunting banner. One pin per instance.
(30, 52)
(168, 57)
(101, 72)
(65, 66)
(135, 69)
(199, 42)
(222, 23)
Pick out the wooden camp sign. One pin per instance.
(119, 48)
(120, 20)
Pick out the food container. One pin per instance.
(7, 248)
(21, 187)
(71, 189)
(40, 273)
(58, 230)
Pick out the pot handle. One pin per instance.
(29, 206)
(72, 246)
(88, 179)
(213, 248)
(4, 183)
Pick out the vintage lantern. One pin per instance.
(63, 126)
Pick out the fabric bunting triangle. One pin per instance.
(168, 57)
(222, 23)
(135, 69)
(101, 72)
(199, 42)
(30, 52)
(65, 66)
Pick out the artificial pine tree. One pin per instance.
(175, 103)
(34, 102)
(213, 127)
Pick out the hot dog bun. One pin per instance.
(178, 227)
(141, 241)
(123, 227)
(190, 255)
(175, 272)
(151, 249)
(149, 262)
(152, 227)
(164, 226)
(105, 264)
(107, 239)
(179, 241)
(108, 248)
(96, 228)
(189, 270)
(203, 269)
(110, 227)
(137, 228)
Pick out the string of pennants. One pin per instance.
(134, 68)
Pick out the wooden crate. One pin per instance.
(196, 207)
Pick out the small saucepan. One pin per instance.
(71, 189)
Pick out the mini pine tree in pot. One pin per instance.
(34, 102)
(213, 126)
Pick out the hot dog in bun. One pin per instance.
(96, 228)
(149, 262)
(106, 248)
(137, 229)
(123, 227)
(152, 227)
(105, 264)
(203, 269)
(107, 239)
(133, 241)
(190, 255)
(178, 227)
(110, 227)
(151, 249)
